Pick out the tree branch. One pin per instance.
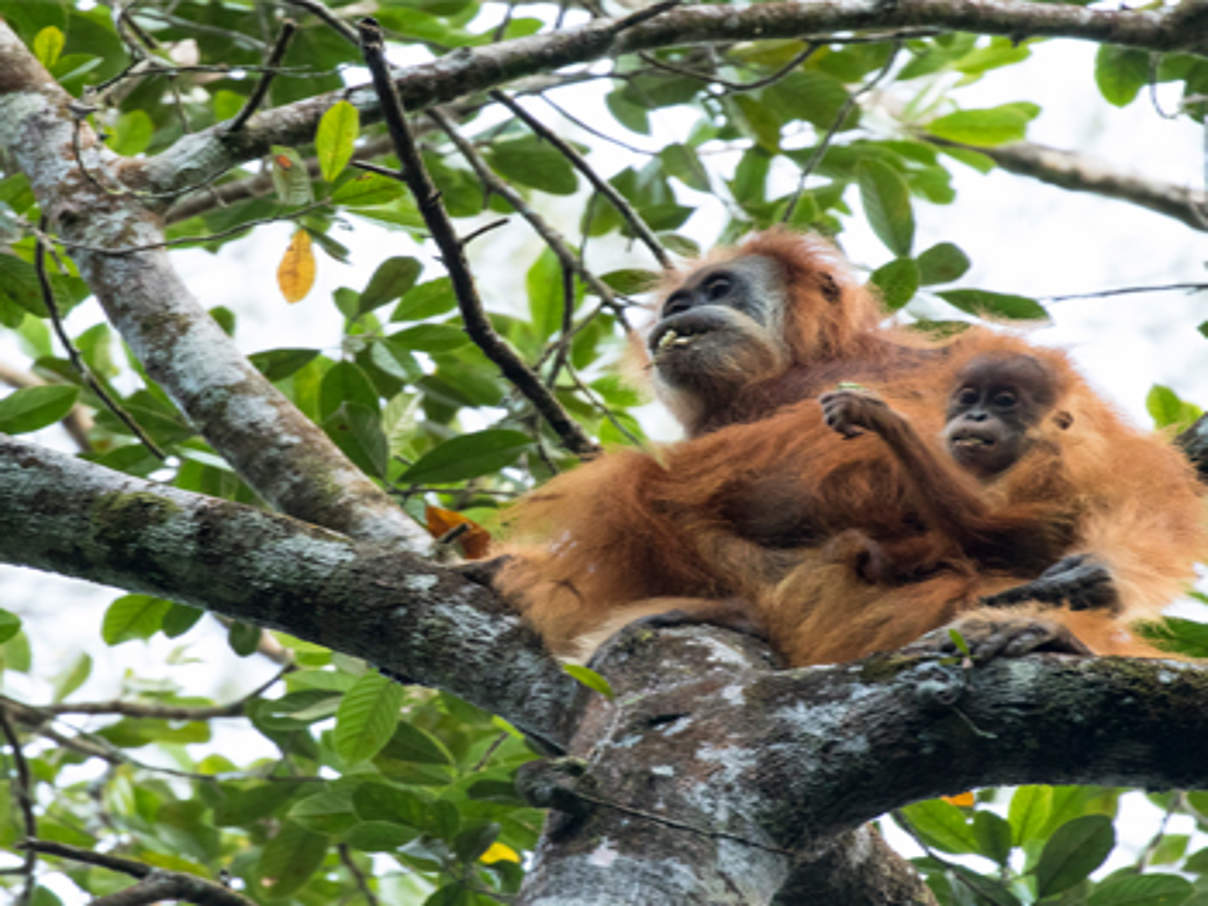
(1084, 173)
(278, 451)
(394, 609)
(697, 789)
(154, 883)
(210, 152)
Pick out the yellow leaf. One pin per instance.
(498, 852)
(296, 273)
(965, 799)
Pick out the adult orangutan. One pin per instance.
(741, 522)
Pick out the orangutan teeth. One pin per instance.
(671, 338)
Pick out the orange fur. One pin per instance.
(713, 519)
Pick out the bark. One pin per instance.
(279, 452)
(711, 778)
(398, 611)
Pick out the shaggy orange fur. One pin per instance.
(744, 517)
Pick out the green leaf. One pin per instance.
(379, 836)
(630, 281)
(410, 743)
(393, 277)
(326, 812)
(681, 162)
(589, 678)
(468, 456)
(1141, 890)
(133, 617)
(886, 200)
(430, 338)
(344, 382)
(289, 859)
(435, 297)
(291, 182)
(1121, 73)
(10, 625)
(47, 45)
(993, 836)
(335, 137)
(277, 364)
(1166, 408)
(898, 281)
(1076, 849)
(70, 679)
(179, 619)
(367, 717)
(531, 162)
(942, 825)
(984, 303)
(1029, 812)
(942, 263)
(989, 126)
(357, 431)
(543, 281)
(132, 132)
(813, 96)
(31, 408)
(243, 638)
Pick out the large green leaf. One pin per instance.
(886, 201)
(289, 859)
(393, 277)
(133, 617)
(367, 716)
(989, 126)
(468, 456)
(1142, 890)
(1076, 849)
(335, 137)
(1121, 73)
(31, 408)
(531, 162)
(984, 303)
(943, 825)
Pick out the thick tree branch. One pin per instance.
(279, 452)
(394, 609)
(1084, 173)
(739, 778)
(204, 155)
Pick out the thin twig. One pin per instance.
(494, 185)
(1127, 291)
(808, 167)
(799, 58)
(358, 876)
(568, 316)
(288, 27)
(77, 361)
(23, 791)
(587, 127)
(328, 17)
(184, 240)
(164, 712)
(632, 217)
(477, 326)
